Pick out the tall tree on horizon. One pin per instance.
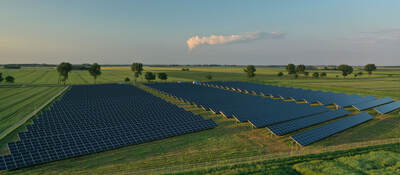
(137, 69)
(369, 68)
(300, 68)
(63, 70)
(95, 71)
(291, 69)
(346, 69)
(250, 70)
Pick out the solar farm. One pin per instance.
(279, 116)
(114, 126)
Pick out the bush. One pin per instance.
(127, 79)
(315, 74)
(323, 74)
(10, 79)
(209, 77)
(162, 76)
(150, 76)
(280, 74)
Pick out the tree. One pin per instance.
(209, 76)
(95, 71)
(323, 74)
(149, 76)
(10, 79)
(250, 70)
(162, 76)
(291, 69)
(315, 74)
(346, 69)
(301, 68)
(63, 70)
(127, 79)
(185, 69)
(369, 68)
(1, 77)
(306, 73)
(137, 69)
(280, 74)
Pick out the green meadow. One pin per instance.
(230, 140)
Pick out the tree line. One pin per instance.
(94, 70)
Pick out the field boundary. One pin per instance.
(29, 116)
(265, 157)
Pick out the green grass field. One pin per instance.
(230, 140)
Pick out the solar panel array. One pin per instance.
(373, 103)
(323, 131)
(310, 96)
(294, 125)
(255, 109)
(388, 107)
(95, 118)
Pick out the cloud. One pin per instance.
(378, 36)
(196, 41)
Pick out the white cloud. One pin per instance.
(374, 37)
(196, 41)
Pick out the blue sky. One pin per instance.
(156, 32)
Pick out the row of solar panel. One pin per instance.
(310, 96)
(323, 131)
(69, 129)
(241, 106)
(326, 98)
(294, 125)
(281, 127)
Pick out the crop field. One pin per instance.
(375, 162)
(230, 140)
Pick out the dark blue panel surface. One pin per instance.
(257, 110)
(323, 131)
(94, 118)
(373, 103)
(293, 125)
(310, 96)
(388, 107)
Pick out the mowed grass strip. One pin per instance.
(20, 106)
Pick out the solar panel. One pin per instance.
(257, 110)
(94, 118)
(310, 96)
(293, 125)
(373, 103)
(388, 107)
(323, 131)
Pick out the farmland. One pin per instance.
(229, 140)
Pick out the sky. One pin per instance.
(263, 32)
